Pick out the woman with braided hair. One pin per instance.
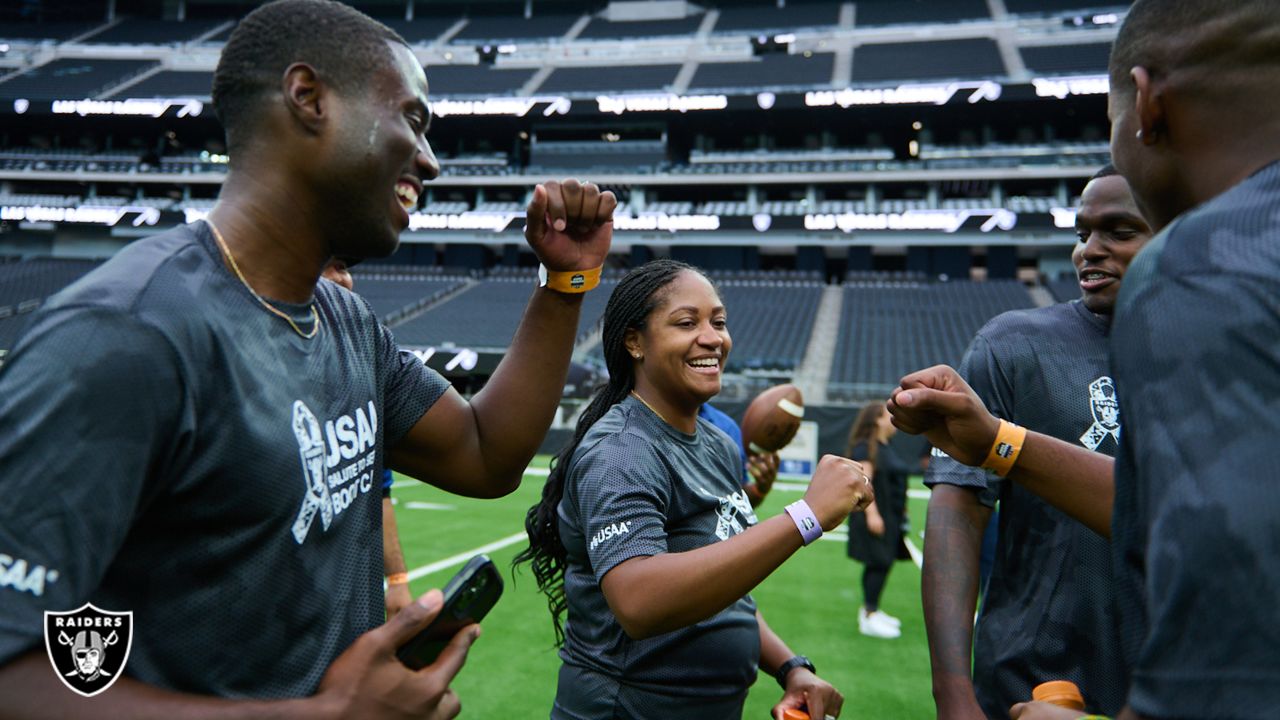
(645, 537)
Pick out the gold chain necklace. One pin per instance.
(231, 260)
(636, 395)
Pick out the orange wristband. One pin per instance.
(1005, 450)
(573, 281)
(398, 579)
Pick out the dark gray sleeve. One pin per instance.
(622, 495)
(984, 373)
(1198, 361)
(411, 388)
(91, 407)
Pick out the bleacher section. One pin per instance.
(1064, 289)
(173, 83)
(491, 164)
(891, 328)
(601, 29)
(393, 296)
(459, 80)
(626, 155)
(221, 36)
(940, 60)
(513, 29)
(117, 161)
(767, 71)
(25, 285)
(593, 304)
(486, 315)
(1067, 59)
(796, 166)
(906, 12)
(39, 200)
(769, 19)
(418, 32)
(138, 31)
(72, 79)
(48, 31)
(1050, 7)
(1015, 155)
(770, 322)
(592, 80)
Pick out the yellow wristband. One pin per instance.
(573, 281)
(1005, 450)
(398, 579)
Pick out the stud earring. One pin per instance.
(1139, 135)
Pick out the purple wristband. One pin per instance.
(806, 522)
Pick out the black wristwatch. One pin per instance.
(792, 664)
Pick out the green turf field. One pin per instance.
(811, 602)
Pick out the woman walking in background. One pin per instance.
(876, 535)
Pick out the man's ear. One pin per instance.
(305, 96)
(1149, 108)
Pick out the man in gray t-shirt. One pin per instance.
(1045, 369)
(155, 413)
(195, 431)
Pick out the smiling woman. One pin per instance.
(645, 536)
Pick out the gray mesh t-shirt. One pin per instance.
(1196, 526)
(169, 447)
(638, 487)
(1048, 612)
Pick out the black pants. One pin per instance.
(873, 581)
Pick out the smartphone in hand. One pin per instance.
(468, 597)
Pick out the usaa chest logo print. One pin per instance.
(337, 463)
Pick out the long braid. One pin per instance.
(629, 306)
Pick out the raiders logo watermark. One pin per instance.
(88, 647)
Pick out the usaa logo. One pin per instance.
(14, 573)
(610, 532)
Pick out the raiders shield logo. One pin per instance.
(1105, 406)
(88, 647)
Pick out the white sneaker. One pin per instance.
(884, 616)
(888, 618)
(875, 625)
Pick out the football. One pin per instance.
(772, 419)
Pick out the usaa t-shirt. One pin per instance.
(638, 487)
(171, 448)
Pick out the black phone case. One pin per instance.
(468, 597)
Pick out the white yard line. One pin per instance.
(917, 557)
(415, 505)
(462, 557)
